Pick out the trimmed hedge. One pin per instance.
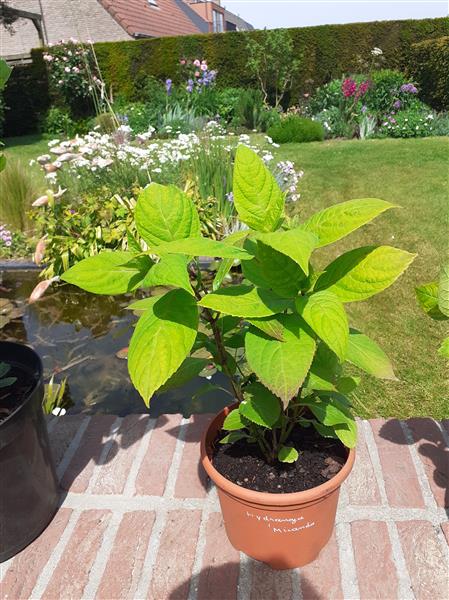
(429, 66)
(329, 51)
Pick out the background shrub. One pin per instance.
(296, 129)
(429, 65)
(386, 85)
(58, 122)
(328, 51)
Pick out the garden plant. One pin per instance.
(281, 336)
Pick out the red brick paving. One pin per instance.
(133, 536)
(374, 560)
(401, 484)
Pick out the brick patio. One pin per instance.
(139, 520)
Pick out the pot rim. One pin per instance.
(37, 380)
(266, 498)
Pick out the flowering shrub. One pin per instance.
(197, 75)
(71, 69)
(408, 123)
(13, 244)
(77, 219)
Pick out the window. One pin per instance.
(152, 2)
(217, 21)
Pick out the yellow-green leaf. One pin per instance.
(297, 244)
(335, 222)
(363, 272)
(325, 314)
(162, 339)
(367, 355)
(164, 213)
(281, 366)
(258, 199)
(244, 301)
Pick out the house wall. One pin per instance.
(204, 9)
(62, 19)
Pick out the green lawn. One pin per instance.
(413, 174)
(26, 147)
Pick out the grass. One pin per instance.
(413, 174)
(26, 147)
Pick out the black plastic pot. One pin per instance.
(28, 485)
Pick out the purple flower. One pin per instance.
(364, 108)
(168, 86)
(409, 88)
(397, 104)
(230, 197)
(189, 87)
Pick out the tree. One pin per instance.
(272, 60)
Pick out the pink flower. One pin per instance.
(197, 73)
(182, 61)
(204, 67)
(196, 63)
(348, 87)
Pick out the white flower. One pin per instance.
(376, 52)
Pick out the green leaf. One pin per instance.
(260, 406)
(227, 323)
(443, 293)
(244, 301)
(326, 315)
(335, 222)
(133, 244)
(4, 369)
(257, 197)
(346, 385)
(325, 430)
(427, 295)
(190, 368)
(171, 270)
(162, 339)
(269, 325)
(281, 366)
(109, 272)
(234, 436)
(143, 304)
(347, 433)
(164, 213)
(272, 270)
(5, 72)
(287, 454)
(233, 421)
(235, 239)
(444, 348)
(328, 411)
(2, 161)
(324, 370)
(297, 244)
(363, 272)
(7, 381)
(199, 246)
(367, 355)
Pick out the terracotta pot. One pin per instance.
(284, 530)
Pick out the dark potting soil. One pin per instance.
(13, 396)
(319, 460)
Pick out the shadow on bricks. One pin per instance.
(100, 443)
(431, 447)
(257, 581)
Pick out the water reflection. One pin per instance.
(77, 335)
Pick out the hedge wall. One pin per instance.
(429, 66)
(329, 51)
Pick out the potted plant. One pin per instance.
(279, 454)
(29, 489)
(434, 300)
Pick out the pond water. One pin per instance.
(78, 335)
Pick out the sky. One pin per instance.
(298, 13)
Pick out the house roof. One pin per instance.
(169, 17)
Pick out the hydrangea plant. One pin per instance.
(281, 336)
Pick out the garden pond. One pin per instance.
(82, 336)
